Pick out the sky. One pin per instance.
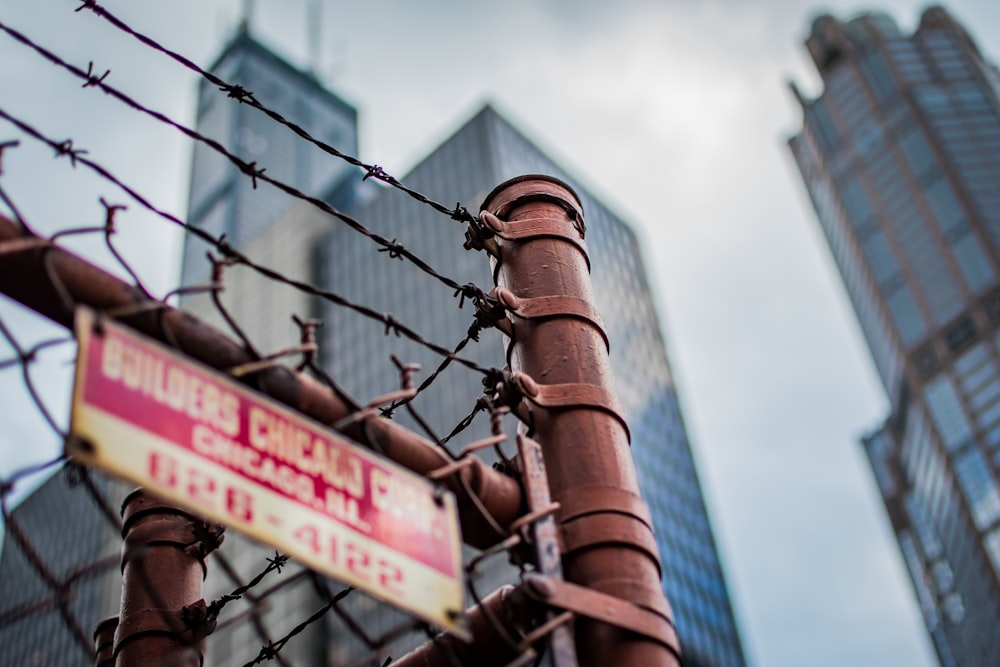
(676, 113)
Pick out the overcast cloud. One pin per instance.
(677, 114)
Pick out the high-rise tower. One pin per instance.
(901, 157)
(221, 199)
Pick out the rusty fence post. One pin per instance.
(558, 352)
(104, 642)
(163, 620)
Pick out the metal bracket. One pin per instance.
(572, 395)
(545, 307)
(545, 536)
(533, 228)
(604, 608)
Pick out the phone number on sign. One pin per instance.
(339, 551)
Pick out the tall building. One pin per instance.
(221, 199)
(900, 154)
(305, 244)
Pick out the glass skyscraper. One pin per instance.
(901, 157)
(221, 199)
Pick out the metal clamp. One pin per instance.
(604, 608)
(533, 228)
(545, 538)
(572, 395)
(546, 307)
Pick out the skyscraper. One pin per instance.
(900, 154)
(221, 199)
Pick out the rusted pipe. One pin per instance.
(162, 619)
(51, 280)
(560, 359)
(104, 642)
(498, 626)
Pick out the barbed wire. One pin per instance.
(76, 157)
(237, 92)
(250, 170)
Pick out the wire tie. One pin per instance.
(468, 291)
(461, 214)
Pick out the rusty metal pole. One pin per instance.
(498, 626)
(559, 354)
(163, 616)
(104, 642)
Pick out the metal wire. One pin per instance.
(458, 213)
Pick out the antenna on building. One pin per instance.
(314, 19)
(247, 16)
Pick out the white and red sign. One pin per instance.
(199, 439)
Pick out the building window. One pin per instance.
(991, 306)
(909, 323)
(946, 411)
(992, 544)
(975, 266)
(975, 479)
(961, 334)
(954, 608)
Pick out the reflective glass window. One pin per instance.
(946, 411)
(909, 322)
(992, 544)
(975, 479)
(917, 150)
(974, 263)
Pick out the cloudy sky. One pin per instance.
(675, 112)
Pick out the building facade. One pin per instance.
(221, 199)
(900, 154)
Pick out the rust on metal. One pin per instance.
(603, 607)
(585, 500)
(51, 281)
(609, 527)
(578, 422)
(550, 228)
(163, 566)
(104, 642)
(550, 306)
(545, 539)
(498, 626)
(572, 395)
